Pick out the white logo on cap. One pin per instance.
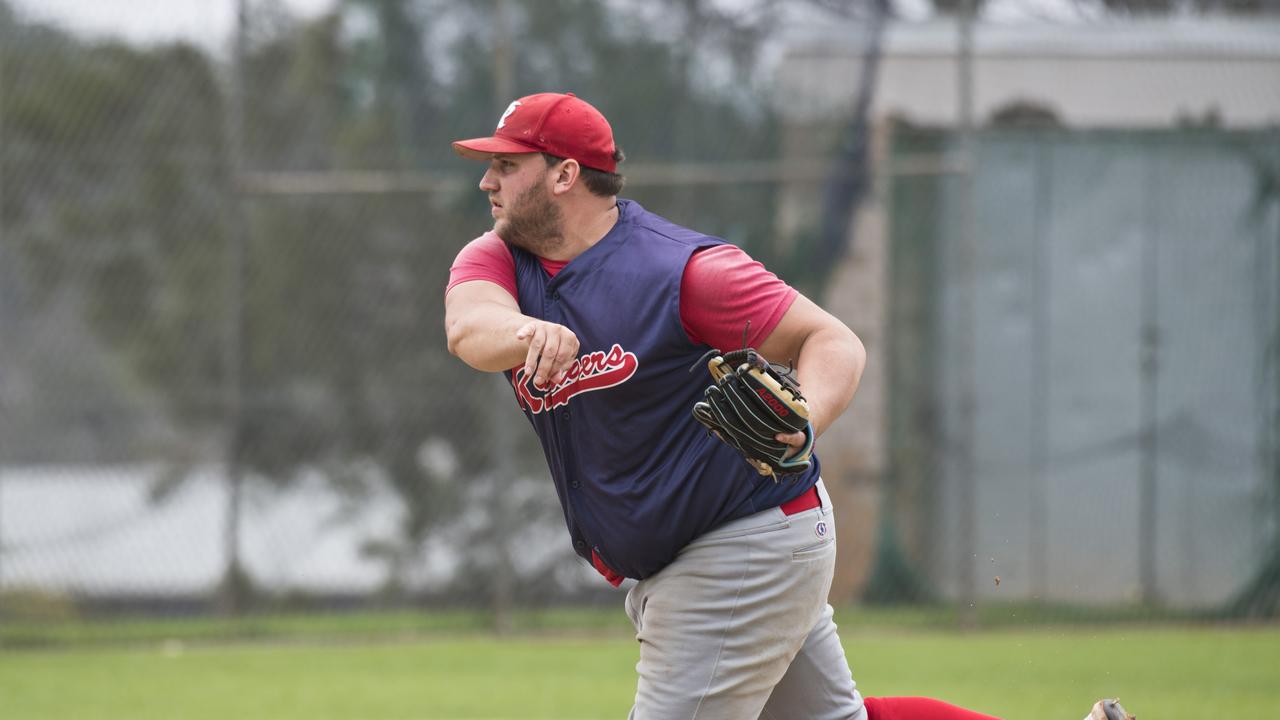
(502, 121)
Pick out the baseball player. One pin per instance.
(595, 310)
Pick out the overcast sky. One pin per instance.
(209, 22)
(206, 22)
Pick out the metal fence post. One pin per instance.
(231, 599)
(964, 434)
(1149, 377)
(2, 244)
(1041, 374)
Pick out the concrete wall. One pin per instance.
(1147, 74)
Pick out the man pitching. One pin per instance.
(595, 310)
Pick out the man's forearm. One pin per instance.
(829, 368)
(485, 338)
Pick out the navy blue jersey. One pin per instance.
(637, 476)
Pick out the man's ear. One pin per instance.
(566, 176)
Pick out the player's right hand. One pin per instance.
(552, 349)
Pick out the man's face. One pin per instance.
(524, 213)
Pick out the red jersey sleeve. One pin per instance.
(722, 289)
(485, 258)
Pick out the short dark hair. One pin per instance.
(599, 182)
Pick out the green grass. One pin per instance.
(420, 666)
(24, 630)
(28, 633)
(1165, 674)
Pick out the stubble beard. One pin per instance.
(533, 222)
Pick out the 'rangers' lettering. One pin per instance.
(592, 371)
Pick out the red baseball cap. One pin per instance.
(563, 125)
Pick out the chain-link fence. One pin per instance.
(223, 376)
(226, 379)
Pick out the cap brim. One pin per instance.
(486, 147)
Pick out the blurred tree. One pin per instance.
(115, 194)
(953, 7)
(850, 180)
(127, 197)
(124, 202)
(346, 363)
(96, 417)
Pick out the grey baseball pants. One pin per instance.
(738, 626)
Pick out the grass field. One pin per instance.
(420, 667)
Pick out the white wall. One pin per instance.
(1133, 75)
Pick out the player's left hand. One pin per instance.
(796, 440)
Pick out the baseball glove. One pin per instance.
(749, 403)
